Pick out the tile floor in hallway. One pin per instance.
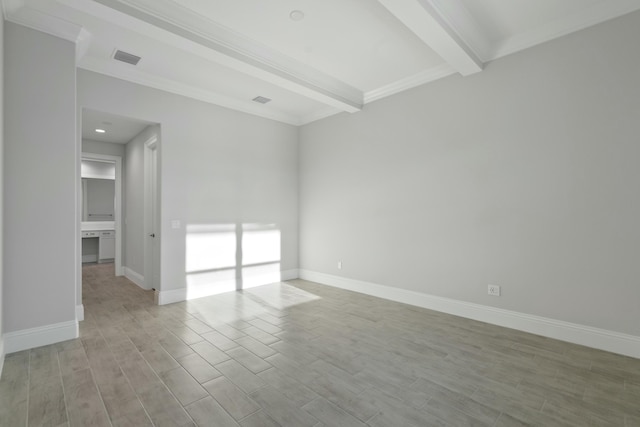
(302, 354)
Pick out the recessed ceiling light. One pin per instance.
(296, 15)
(100, 131)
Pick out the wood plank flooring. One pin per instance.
(302, 354)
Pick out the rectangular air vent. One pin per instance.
(261, 99)
(126, 57)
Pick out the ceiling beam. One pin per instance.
(159, 19)
(431, 22)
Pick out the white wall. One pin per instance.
(1, 187)
(134, 200)
(217, 167)
(525, 175)
(40, 182)
(100, 147)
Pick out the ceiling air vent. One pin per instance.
(126, 57)
(261, 99)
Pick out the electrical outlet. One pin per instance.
(339, 265)
(494, 290)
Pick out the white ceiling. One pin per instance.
(341, 56)
(118, 129)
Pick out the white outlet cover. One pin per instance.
(494, 290)
(175, 223)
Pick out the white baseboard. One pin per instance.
(289, 275)
(135, 277)
(615, 342)
(223, 286)
(169, 297)
(43, 335)
(80, 313)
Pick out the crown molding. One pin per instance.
(426, 76)
(431, 22)
(83, 41)
(318, 115)
(25, 13)
(593, 15)
(10, 7)
(172, 23)
(123, 72)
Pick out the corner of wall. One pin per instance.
(80, 312)
(135, 277)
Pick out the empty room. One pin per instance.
(319, 213)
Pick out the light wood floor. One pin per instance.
(301, 354)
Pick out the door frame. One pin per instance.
(152, 278)
(118, 204)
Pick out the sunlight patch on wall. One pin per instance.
(260, 244)
(210, 247)
(228, 257)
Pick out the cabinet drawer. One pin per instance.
(90, 234)
(108, 234)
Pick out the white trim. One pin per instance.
(152, 142)
(289, 275)
(113, 69)
(135, 277)
(169, 297)
(80, 313)
(459, 19)
(426, 76)
(183, 294)
(1, 354)
(9, 7)
(432, 22)
(98, 226)
(18, 12)
(616, 342)
(42, 335)
(151, 212)
(170, 22)
(319, 114)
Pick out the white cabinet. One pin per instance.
(107, 245)
(98, 245)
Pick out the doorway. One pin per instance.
(101, 196)
(131, 147)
